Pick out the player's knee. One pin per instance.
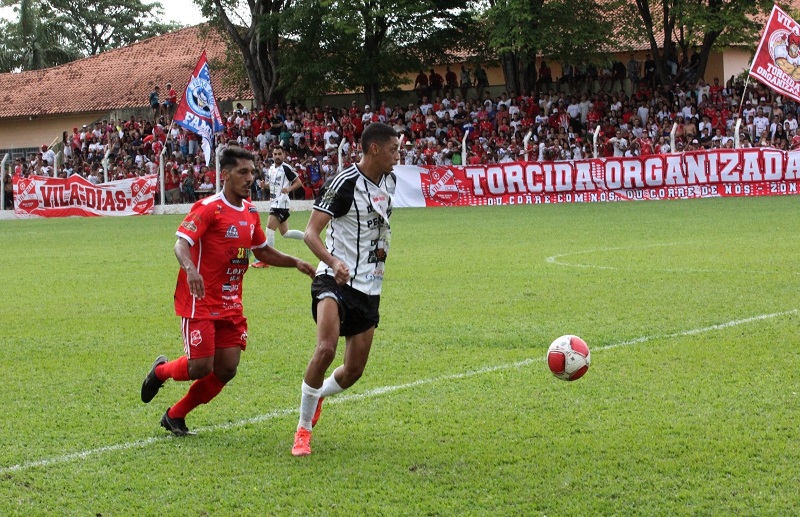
(326, 351)
(351, 373)
(225, 375)
(199, 369)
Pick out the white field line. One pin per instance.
(555, 259)
(75, 456)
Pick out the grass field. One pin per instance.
(690, 407)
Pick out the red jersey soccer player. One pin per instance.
(213, 249)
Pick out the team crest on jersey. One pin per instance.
(195, 338)
(189, 225)
(232, 233)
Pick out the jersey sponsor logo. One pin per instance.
(195, 338)
(189, 225)
(242, 223)
(230, 288)
(232, 233)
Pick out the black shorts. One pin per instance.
(358, 312)
(281, 213)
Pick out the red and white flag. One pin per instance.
(777, 60)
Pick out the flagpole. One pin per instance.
(737, 129)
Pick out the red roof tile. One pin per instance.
(117, 79)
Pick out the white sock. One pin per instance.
(330, 387)
(308, 405)
(270, 238)
(294, 234)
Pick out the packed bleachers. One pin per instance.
(634, 119)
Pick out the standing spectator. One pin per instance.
(545, 79)
(421, 85)
(171, 102)
(436, 82)
(481, 79)
(188, 187)
(172, 184)
(465, 83)
(633, 68)
(619, 143)
(8, 191)
(451, 80)
(650, 71)
(155, 104)
(760, 123)
(213, 325)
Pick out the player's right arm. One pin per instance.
(184, 254)
(316, 224)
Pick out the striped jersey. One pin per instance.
(358, 234)
(221, 236)
(280, 177)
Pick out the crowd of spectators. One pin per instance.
(635, 117)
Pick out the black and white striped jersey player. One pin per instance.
(282, 180)
(355, 206)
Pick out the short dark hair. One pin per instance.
(232, 154)
(377, 133)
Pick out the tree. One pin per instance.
(702, 24)
(35, 40)
(255, 33)
(99, 25)
(519, 30)
(53, 32)
(370, 44)
(312, 47)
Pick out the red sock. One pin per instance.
(200, 392)
(177, 370)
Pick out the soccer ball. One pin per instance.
(568, 358)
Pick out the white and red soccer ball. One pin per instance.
(568, 358)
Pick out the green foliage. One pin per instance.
(735, 21)
(689, 408)
(35, 40)
(366, 46)
(558, 29)
(53, 32)
(100, 25)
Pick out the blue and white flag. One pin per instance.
(198, 111)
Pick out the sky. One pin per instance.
(181, 11)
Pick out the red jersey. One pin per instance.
(221, 236)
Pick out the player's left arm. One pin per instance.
(274, 257)
(296, 184)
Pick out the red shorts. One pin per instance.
(201, 338)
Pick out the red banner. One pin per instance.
(743, 172)
(777, 60)
(76, 196)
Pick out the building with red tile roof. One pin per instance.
(36, 105)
